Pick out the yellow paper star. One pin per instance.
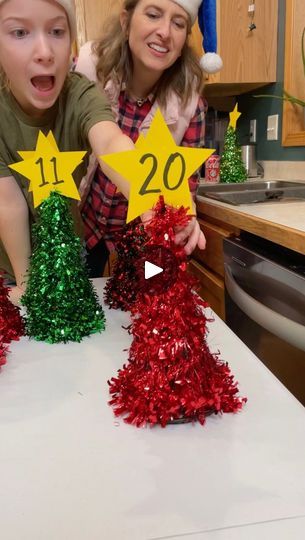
(234, 116)
(48, 169)
(157, 167)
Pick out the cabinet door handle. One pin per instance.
(286, 329)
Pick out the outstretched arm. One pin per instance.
(107, 138)
(14, 229)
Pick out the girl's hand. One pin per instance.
(15, 294)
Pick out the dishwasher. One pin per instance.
(265, 305)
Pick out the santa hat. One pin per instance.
(69, 8)
(206, 11)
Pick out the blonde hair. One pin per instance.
(114, 61)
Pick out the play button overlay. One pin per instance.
(157, 270)
(151, 270)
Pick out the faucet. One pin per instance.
(260, 169)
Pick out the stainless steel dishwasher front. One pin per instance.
(265, 305)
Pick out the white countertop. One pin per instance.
(287, 214)
(70, 470)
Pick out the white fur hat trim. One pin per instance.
(190, 6)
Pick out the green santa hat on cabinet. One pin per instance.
(206, 11)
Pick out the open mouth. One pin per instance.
(158, 48)
(43, 83)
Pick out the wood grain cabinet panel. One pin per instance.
(211, 287)
(249, 57)
(208, 265)
(91, 15)
(212, 255)
(293, 132)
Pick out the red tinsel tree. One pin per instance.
(3, 351)
(11, 323)
(121, 289)
(171, 375)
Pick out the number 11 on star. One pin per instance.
(49, 169)
(157, 167)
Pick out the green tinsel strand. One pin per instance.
(232, 167)
(60, 299)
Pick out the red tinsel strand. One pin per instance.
(161, 230)
(121, 289)
(171, 374)
(3, 351)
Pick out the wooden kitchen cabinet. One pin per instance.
(211, 287)
(293, 132)
(249, 58)
(208, 266)
(90, 17)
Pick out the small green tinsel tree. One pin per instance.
(60, 300)
(232, 167)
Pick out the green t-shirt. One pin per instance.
(79, 107)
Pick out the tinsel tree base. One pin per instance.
(60, 300)
(122, 288)
(171, 374)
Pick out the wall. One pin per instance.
(260, 108)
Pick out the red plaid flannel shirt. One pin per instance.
(104, 211)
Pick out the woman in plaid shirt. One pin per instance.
(143, 62)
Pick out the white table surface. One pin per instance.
(282, 529)
(70, 470)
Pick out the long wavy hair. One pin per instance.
(114, 61)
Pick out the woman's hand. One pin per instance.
(190, 236)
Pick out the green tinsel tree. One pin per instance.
(232, 167)
(60, 300)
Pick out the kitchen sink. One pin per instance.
(253, 192)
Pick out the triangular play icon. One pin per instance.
(151, 269)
